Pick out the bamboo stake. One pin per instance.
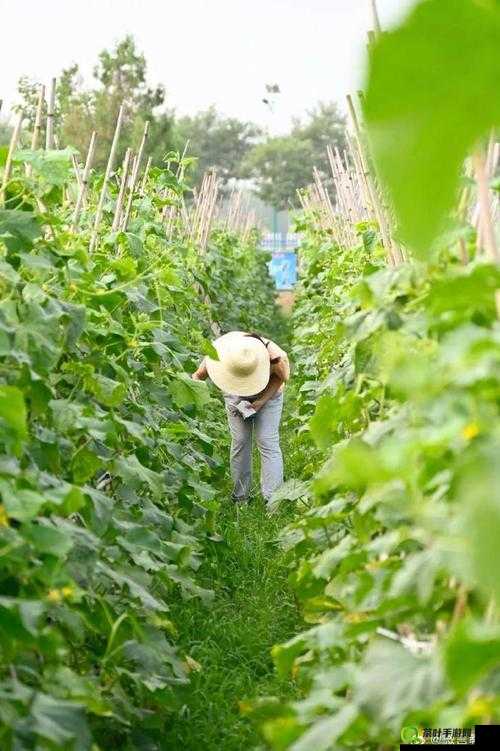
(180, 167)
(488, 231)
(145, 175)
(85, 181)
(51, 104)
(107, 175)
(360, 177)
(37, 126)
(76, 169)
(376, 18)
(121, 193)
(374, 198)
(134, 176)
(345, 224)
(14, 139)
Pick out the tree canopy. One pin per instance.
(282, 165)
(218, 142)
(277, 165)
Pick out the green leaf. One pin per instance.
(20, 503)
(186, 392)
(208, 349)
(324, 732)
(108, 392)
(61, 722)
(19, 229)
(322, 429)
(432, 93)
(132, 472)
(479, 519)
(52, 166)
(467, 290)
(13, 427)
(392, 682)
(84, 465)
(291, 490)
(471, 650)
(48, 539)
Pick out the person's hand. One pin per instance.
(256, 405)
(195, 376)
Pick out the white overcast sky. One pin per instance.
(205, 52)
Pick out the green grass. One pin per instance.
(253, 609)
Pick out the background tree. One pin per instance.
(325, 126)
(218, 142)
(120, 76)
(280, 166)
(283, 164)
(235, 148)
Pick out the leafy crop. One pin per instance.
(111, 456)
(394, 556)
(394, 559)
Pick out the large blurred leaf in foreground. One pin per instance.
(432, 93)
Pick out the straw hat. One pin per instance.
(243, 367)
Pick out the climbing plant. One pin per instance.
(111, 454)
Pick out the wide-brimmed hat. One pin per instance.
(243, 367)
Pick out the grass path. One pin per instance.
(253, 609)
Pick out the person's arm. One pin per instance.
(201, 373)
(279, 374)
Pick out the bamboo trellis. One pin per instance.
(51, 105)
(14, 139)
(107, 176)
(80, 202)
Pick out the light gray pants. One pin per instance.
(266, 426)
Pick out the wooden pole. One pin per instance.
(134, 176)
(37, 126)
(374, 198)
(14, 139)
(51, 105)
(121, 193)
(107, 175)
(488, 240)
(85, 182)
(376, 18)
(145, 175)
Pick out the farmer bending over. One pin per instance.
(251, 372)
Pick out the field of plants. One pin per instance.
(141, 610)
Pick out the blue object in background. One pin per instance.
(283, 269)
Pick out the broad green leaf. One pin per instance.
(84, 465)
(13, 427)
(324, 732)
(392, 682)
(52, 166)
(432, 93)
(186, 392)
(20, 503)
(208, 349)
(471, 650)
(61, 722)
(322, 429)
(108, 392)
(291, 490)
(19, 229)
(48, 539)
(29, 611)
(131, 471)
(479, 517)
